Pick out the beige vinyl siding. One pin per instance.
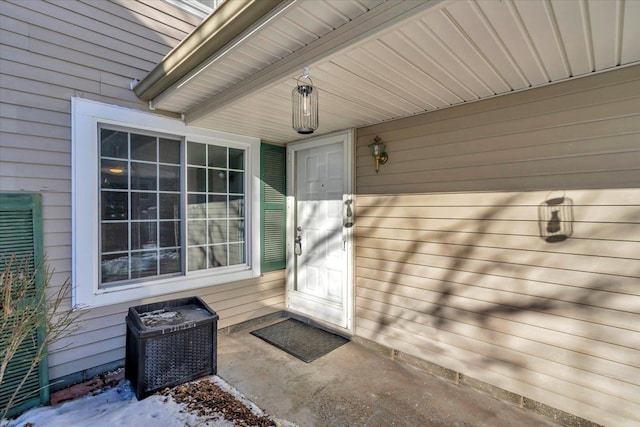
(102, 339)
(51, 51)
(450, 265)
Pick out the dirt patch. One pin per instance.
(208, 400)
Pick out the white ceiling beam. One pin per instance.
(359, 30)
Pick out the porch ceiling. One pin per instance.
(377, 60)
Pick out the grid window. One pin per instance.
(140, 220)
(132, 188)
(215, 206)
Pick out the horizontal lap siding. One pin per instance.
(450, 265)
(102, 338)
(51, 51)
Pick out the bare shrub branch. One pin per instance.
(27, 312)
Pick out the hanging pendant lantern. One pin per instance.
(305, 105)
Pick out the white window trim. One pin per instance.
(86, 116)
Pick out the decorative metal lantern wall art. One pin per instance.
(304, 98)
(555, 217)
(377, 151)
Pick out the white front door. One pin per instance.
(319, 232)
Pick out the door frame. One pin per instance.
(347, 138)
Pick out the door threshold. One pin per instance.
(329, 327)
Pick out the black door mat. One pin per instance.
(303, 341)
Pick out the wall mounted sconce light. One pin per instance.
(555, 217)
(305, 105)
(378, 153)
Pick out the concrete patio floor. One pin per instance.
(355, 386)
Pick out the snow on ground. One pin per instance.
(118, 406)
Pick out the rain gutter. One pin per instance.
(226, 23)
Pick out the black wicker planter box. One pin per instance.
(170, 343)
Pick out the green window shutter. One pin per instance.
(273, 203)
(21, 236)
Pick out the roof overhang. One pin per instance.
(377, 60)
(228, 21)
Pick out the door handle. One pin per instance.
(348, 223)
(298, 242)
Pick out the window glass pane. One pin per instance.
(236, 159)
(114, 205)
(144, 206)
(113, 143)
(169, 234)
(217, 181)
(217, 256)
(197, 154)
(115, 267)
(197, 179)
(169, 178)
(213, 235)
(144, 264)
(114, 236)
(140, 205)
(217, 156)
(197, 206)
(236, 182)
(143, 147)
(197, 258)
(143, 176)
(169, 206)
(144, 235)
(236, 254)
(114, 174)
(197, 233)
(236, 231)
(236, 206)
(169, 151)
(218, 231)
(170, 261)
(217, 206)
